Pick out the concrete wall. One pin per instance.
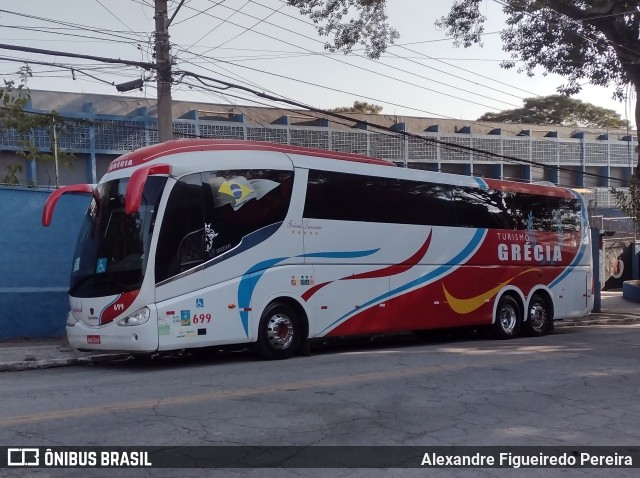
(35, 262)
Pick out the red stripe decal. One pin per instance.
(384, 272)
(307, 295)
(396, 268)
(118, 307)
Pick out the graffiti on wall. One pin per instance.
(615, 263)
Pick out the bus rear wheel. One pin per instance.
(279, 333)
(508, 318)
(539, 318)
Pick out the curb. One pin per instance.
(604, 320)
(51, 363)
(601, 318)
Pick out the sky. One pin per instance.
(268, 46)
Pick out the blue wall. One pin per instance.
(35, 262)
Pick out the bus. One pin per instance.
(197, 243)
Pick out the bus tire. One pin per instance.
(539, 317)
(508, 318)
(279, 332)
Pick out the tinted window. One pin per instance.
(544, 213)
(181, 240)
(112, 249)
(239, 202)
(351, 197)
(482, 208)
(345, 197)
(208, 214)
(568, 211)
(413, 202)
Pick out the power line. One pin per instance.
(193, 16)
(114, 15)
(251, 27)
(349, 122)
(378, 100)
(148, 65)
(419, 86)
(66, 34)
(70, 68)
(361, 67)
(71, 25)
(337, 89)
(225, 94)
(426, 56)
(389, 129)
(214, 28)
(470, 71)
(40, 51)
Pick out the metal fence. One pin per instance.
(597, 164)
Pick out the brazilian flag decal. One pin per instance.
(238, 190)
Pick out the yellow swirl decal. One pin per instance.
(466, 306)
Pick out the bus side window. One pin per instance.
(240, 202)
(181, 240)
(533, 213)
(481, 208)
(566, 214)
(190, 252)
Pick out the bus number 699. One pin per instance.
(201, 318)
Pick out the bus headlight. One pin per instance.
(71, 320)
(137, 318)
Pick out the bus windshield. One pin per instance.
(112, 248)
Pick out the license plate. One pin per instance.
(93, 339)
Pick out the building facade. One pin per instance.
(104, 127)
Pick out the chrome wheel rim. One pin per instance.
(508, 318)
(280, 331)
(537, 316)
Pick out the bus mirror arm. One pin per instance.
(136, 185)
(50, 204)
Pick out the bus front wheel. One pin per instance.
(508, 318)
(279, 333)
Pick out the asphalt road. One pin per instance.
(577, 387)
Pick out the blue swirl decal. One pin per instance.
(481, 182)
(252, 276)
(340, 254)
(248, 284)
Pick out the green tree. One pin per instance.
(368, 26)
(358, 107)
(629, 201)
(594, 41)
(558, 110)
(20, 127)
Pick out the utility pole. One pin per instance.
(55, 151)
(163, 60)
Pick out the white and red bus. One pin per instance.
(197, 243)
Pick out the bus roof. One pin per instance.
(528, 188)
(144, 155)
(149, 153)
